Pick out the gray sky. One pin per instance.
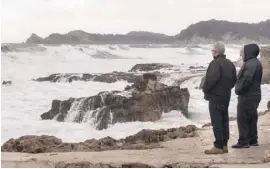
(20, 18)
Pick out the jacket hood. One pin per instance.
(251, 51)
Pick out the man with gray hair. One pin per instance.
(219, 80)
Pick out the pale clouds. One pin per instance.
(20, 18)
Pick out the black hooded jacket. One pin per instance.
(220, 79)
(250, 75)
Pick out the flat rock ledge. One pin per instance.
(145, 139)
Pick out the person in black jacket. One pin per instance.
(248, 89)
(220, 79)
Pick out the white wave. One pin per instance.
(88, 117)
(125, 94)
(74, 110)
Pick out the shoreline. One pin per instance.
(173, 153)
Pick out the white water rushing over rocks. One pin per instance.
(25, 100)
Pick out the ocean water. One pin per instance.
(24, 101)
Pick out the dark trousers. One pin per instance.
(247, 118)
(220, 121)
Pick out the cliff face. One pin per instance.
(204, 32)
(231, 32)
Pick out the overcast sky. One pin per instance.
(20, 18)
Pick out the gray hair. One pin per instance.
(219, 47)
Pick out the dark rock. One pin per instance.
(149, 76)
(51, 78)
(146, 101)
(6, 82)
(116, 76)
(87, 77)
(268, 105)
(58, 110)
(31, 144)
(149, 67)
(145, 139)
(106, 77)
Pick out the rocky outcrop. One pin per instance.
(145, 139)
(106, 77)
(265, 60)
(229, 32)
(131, 77)
(145, 100)
(149, 67)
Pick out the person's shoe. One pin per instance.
(225, 149)
(237, 145)
(254, 144)
(214, 150)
